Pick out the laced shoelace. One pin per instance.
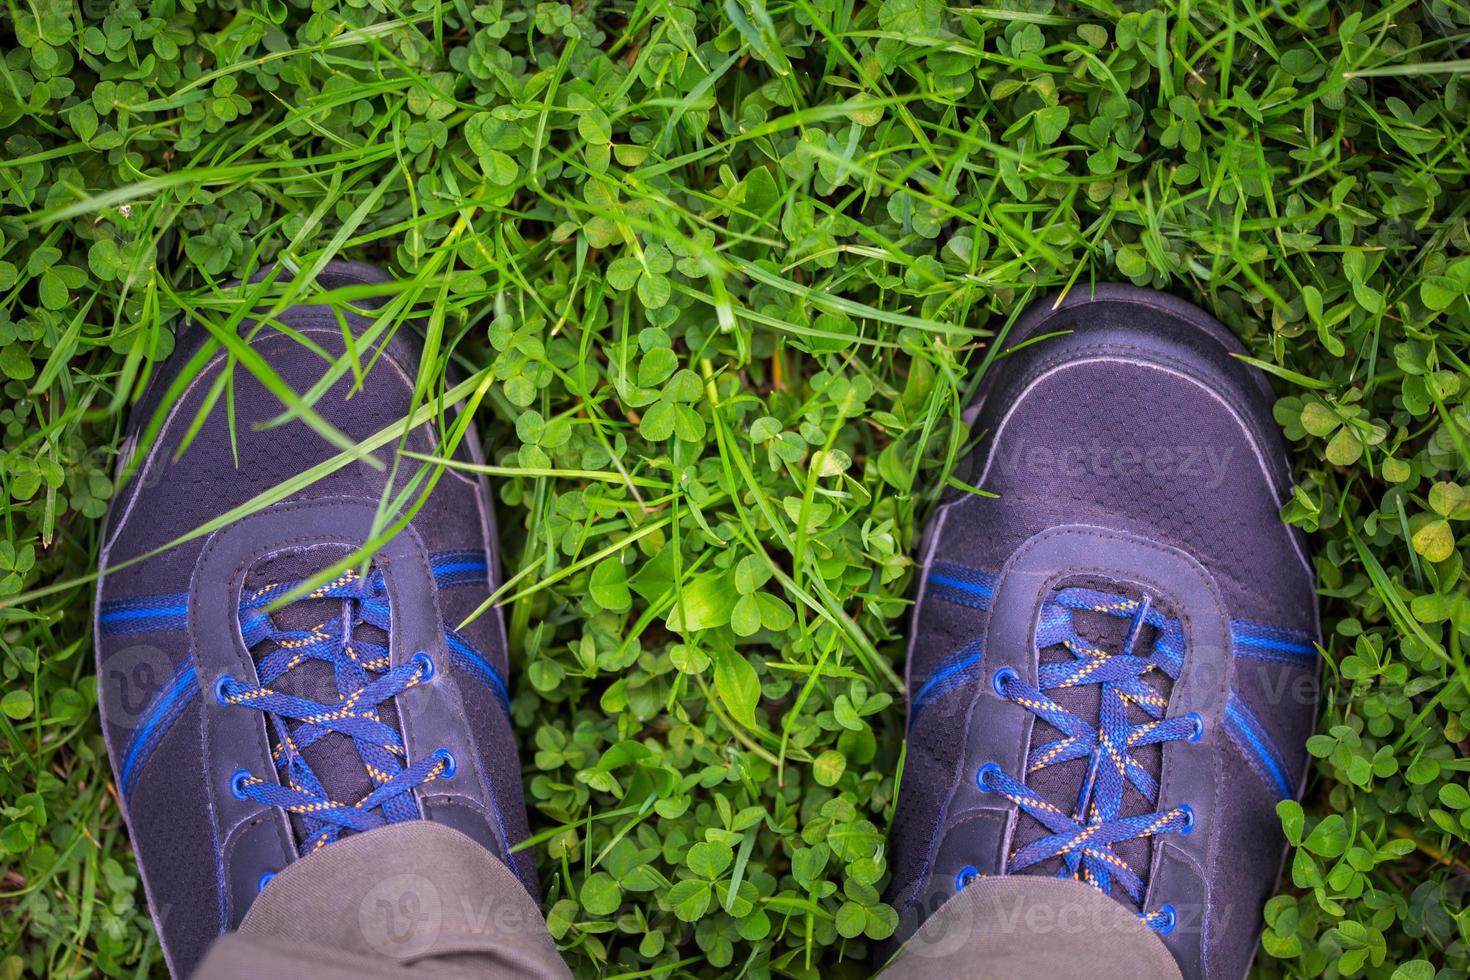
(365, 679)
(1084, 839)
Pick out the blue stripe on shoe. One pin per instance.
(953, 672)
(144, 614)
(1256, 745)
(1260, 641)
(167, 705)
(961, 585)
(467, 658)
(160, 613)
(456, 568)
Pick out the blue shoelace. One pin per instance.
(1084, 838)
(364, 679)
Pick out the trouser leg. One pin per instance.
(416, 899)
(1032, 926)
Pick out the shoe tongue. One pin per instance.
(333, 758)
(1061, 783)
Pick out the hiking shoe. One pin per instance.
(245, 732)
(1112, 665)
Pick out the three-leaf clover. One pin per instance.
(673, 413)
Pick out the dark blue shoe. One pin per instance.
(244, 736)
(1112, 665)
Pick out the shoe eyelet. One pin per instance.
(265, 879)
(983, 774)
(966, 875)
(1188, 819)
(237, 783)
(219, 688)
(450, 765)
(1000, 678)
(1167, 920)
(1199, 726)
(425, 664)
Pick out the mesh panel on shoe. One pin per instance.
(930, 768)
(1091, 445)
(206, 481)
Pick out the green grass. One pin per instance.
(726, 273)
